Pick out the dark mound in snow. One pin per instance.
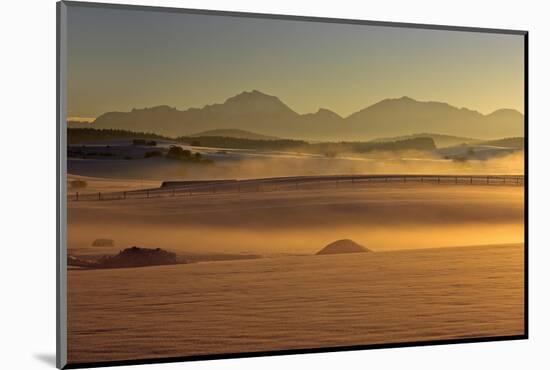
(129, 257)
(137, 257)
(343, 246)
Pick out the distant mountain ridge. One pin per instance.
(258, 112)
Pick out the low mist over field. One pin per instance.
(351, 163)
(380, 216)
(115, 154)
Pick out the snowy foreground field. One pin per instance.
(295, 303)
(446, 262)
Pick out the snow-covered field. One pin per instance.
(295, 302)
(416, 285)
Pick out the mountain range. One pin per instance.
(268, 115)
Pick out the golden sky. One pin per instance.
(124, 59)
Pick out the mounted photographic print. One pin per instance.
(236, 184)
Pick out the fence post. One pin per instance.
(98, 195)
(471, 180)
(77, 196)
(124, 195)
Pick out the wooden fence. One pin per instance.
(192, 188)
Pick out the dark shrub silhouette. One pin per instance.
(174, 152)
(178, 152)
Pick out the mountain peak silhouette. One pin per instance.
(256, 101)
(266, 114)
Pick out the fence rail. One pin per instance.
(197, 188)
